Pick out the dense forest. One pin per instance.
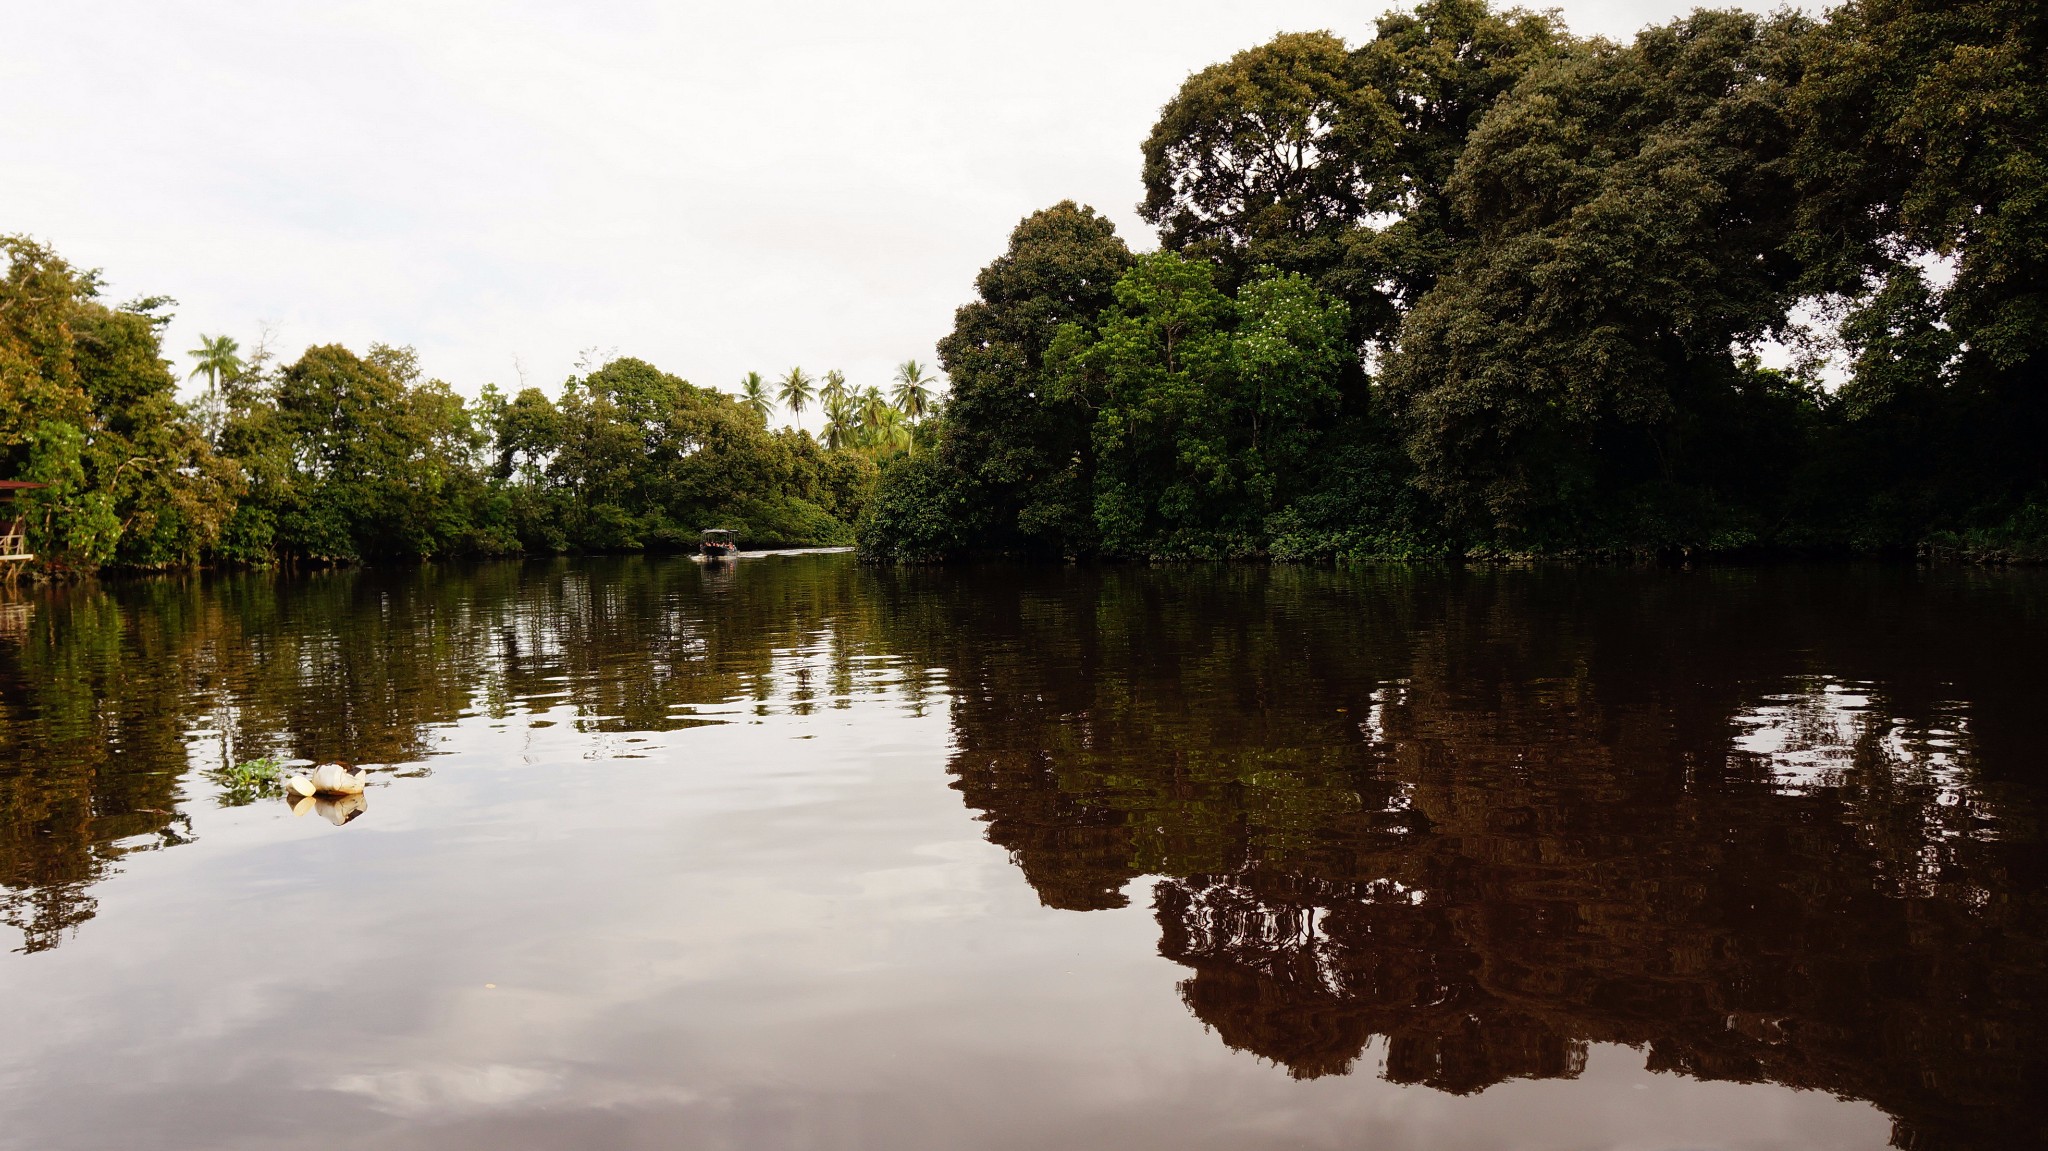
(1475, 287)
(1481, 287)
(341, 457)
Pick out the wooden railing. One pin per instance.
(14, 541)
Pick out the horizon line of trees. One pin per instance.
(1481, 287)
(341, 457)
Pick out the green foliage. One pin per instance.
(833, 390)
(1471, 287)
(1441, 68)
(2021, 537)
(912, 393)
(339, 457)
(924, 511)
(218, 359)
(1018, 444)
(1555, 263)
(88, 406)
(754, 394)
(246, 782)
(797, 390)
(1360, 505)
(356, 457)
(1206, 409)
(634, 458)
(1632, 212)
(1924, 129)
(1314, 157)
(1272, 155)
(1924, 140)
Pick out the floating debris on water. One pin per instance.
(335, 809)
(327, 779)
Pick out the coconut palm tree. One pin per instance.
(842, 428)
(871, 408)
(887, 433)
(796, 392)
(754, 394)
(834, 387)
(913, 391)
(217, 360)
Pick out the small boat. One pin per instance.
(719, 544)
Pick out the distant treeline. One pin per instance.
(341, 457)
(1481, 287)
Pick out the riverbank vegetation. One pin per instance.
(1481, 287)
(1473, 287)
(342, 456)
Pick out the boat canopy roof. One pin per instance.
(709, 532)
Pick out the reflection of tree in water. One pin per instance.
(1766, 826)
(71, 798)
(110, 695)
(1496, 818)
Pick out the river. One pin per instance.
(794, 853)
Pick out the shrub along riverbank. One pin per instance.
(1480, 287)
(346, 457)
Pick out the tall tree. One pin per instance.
(754, 394)
(912, 394)
(1007, 431)
(873, 408)
(88, 406)
(217, 359)
(1207, 409)
(1926, 144)
(834, 388)
(796, 392)
(842, 424)
(1270, 156)
(1441, 68)
(1569, 381)
(1314, 157)
(1925, 134)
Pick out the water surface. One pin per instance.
(796, 854)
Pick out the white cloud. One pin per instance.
(716, 188)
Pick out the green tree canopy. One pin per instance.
(1315, 157)
(1206, 408)
(1632, 211)
(88, 406)
(1007, 432)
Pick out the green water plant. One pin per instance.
(248, 781)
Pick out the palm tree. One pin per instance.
(796, 393)
(754, 394)
(841, 425)
(888, 432)
(834, 387)
(217, 360)
(913, 391)
(871, 409)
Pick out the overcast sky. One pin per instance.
(712, 187)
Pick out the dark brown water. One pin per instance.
(796, 854)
